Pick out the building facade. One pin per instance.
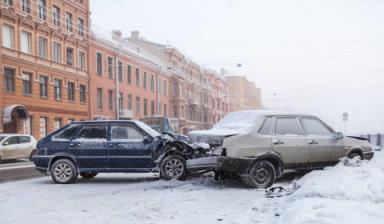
(44, 72)
(243, 94)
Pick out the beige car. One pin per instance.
(15, 146)
(259, 145)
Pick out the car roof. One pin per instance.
(103, 121)
(275, 113)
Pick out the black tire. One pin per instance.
(32, 155)
(63, 171)
(173, 167)
(261, 175)
(355, 154)
(88, 175)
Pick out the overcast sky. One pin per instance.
(320, 57)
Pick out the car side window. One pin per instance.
(24, 139)
(92, 133)
(267, 126)
(126, 133)
(11, 141)
(315, 127)
(67, 133)
(288, 127)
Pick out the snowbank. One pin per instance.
(346, 193)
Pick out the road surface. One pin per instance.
(17, 170)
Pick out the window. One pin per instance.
(165, 88)
(165, 110)
(152, 83)
(175, 111)
(137, 105)
(93, 132)
(145, 80)
(152, 107)
(145, 107)
(43, 80)
(26, 42)
(68, 132)
(267, 126)
(57, 88)
(56, 16)
(26, 6)
(99, 98)
(57, 123)
(99, 64)
(129, 74)
(8, 2)
(315, 127)
(56, 52)
(129, 102)
(9, 79)
(110, 67)
(27, 83)
(126, 133)
(8, 36)
(69, 56)
(81, 60)
(24, 139)
(159, 86)
(121, 100)
(69, 21)
(120, 71)
(43, 47)
(137, 77)
(71, 91)
(42, 10)
(110, 99)
(82, 93)
(43, 126)
(80, 26)
(11, 141)
(288, 126)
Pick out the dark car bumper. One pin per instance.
(41, 163)
(368, 155)
(220, 163)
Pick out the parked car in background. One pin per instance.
(163, 125)
(16, 146)
(258, 146)
(91, 147)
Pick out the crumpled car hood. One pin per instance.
(211, 136)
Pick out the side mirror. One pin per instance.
(6, 143)
(339, 135)
(147, 140)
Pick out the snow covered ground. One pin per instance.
(342, 194)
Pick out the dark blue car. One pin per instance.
(91, 147)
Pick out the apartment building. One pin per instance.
(243, 94)
(44, 64)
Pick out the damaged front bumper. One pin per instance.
(220, 163)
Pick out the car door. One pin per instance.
(90, 146)
(289, 142)
(130, 148)
(324, 148)
(10, 148)
(24, 146)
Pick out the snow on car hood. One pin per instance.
(232, 124)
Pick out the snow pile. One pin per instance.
(349, 193)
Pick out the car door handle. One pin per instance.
(277, 142)
(74, 144)
(313, 142)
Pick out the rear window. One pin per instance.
(67, 132)
(288, 126)
(98, 132)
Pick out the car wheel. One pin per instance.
(63, 171)
(173, 167)
(88, 175)
(261, 175)
(33, 153)
(355, 155)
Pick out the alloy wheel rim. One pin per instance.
(261, 175)
(62, 172)
(174, 168)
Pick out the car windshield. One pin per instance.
(147, 129)
(237, 121)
